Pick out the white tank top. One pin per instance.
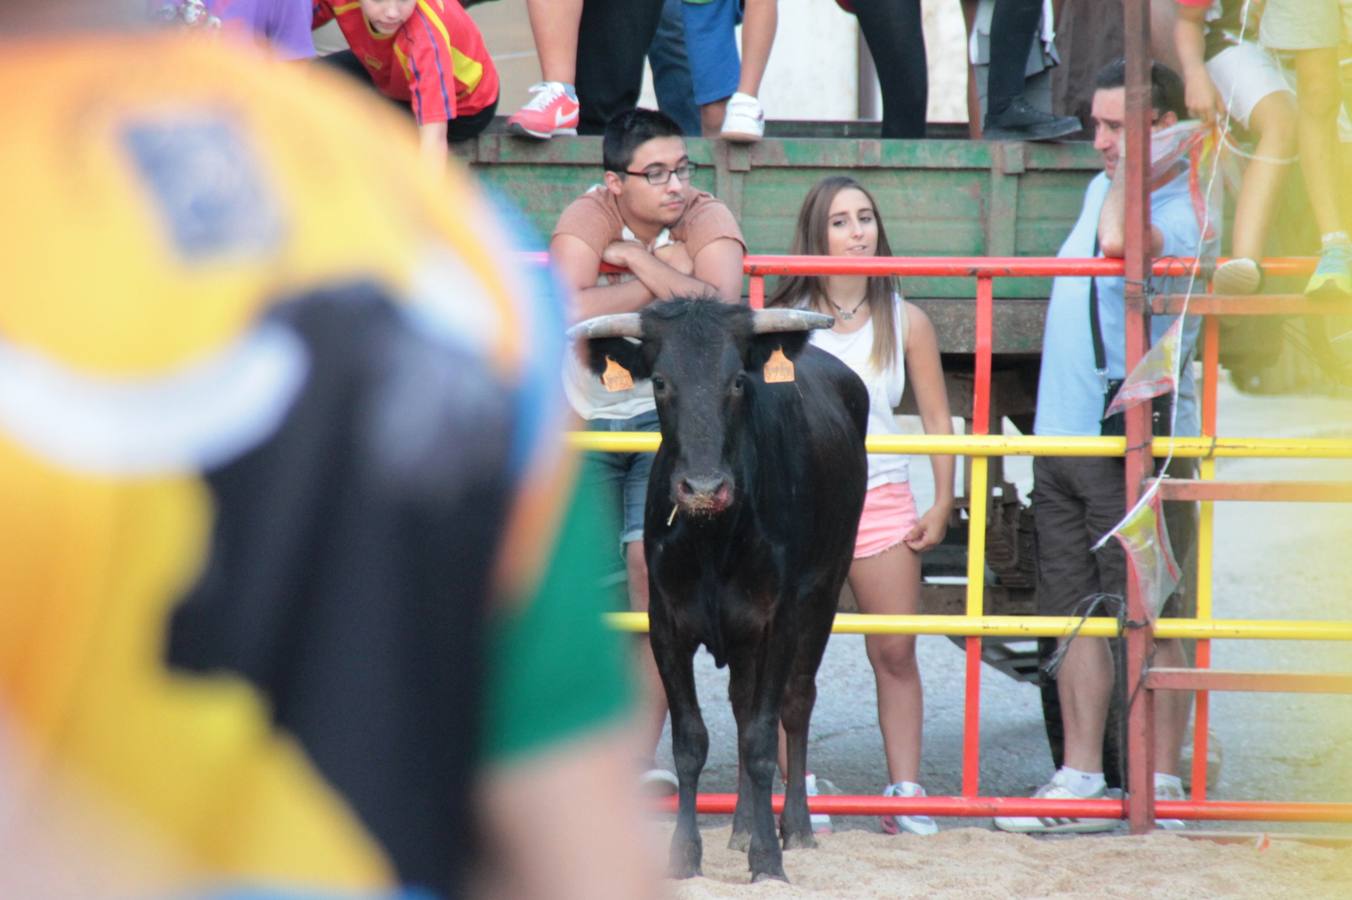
(884, 388)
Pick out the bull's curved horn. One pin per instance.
(769, 320)
(614, 325)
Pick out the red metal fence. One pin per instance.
(1139, 806)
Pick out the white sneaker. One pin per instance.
(1056, 790)
(922, 825)
(1169, 789)
(744, 120)
(821, 822)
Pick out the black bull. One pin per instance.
(752, 510)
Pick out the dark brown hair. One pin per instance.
(1166, 87)
(809, 239)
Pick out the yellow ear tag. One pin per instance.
(778, 368)
(616, 377)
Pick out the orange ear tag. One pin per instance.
(616, 377)
(778, 368)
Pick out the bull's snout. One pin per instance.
(704, 494)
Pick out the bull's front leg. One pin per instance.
(741, 695)
(760, 686)
(795, 823)
(757, 743)
(800, 695)
(689, 739)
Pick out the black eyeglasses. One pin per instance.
(661, 176)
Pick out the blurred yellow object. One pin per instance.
(161, 194)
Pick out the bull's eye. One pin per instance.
(739, 384)
(659, 383)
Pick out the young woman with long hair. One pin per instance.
(886, 341)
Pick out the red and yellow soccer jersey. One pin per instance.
(246, 392)
(437, 61)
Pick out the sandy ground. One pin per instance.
(975, 863)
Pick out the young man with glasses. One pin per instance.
(671, 240)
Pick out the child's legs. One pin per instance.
(1252, 87)
(889, 583)
(1274, 121)
(1313, 29)
(759, 22)
(715, 71)
(1319, 94)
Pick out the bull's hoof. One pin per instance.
(685, 860)
(766, 863)
(770, 876)
(740, 840)
(796, 841)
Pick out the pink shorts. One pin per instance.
(889, 515)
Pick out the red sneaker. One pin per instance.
(553, 110)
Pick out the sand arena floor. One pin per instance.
(977, 863)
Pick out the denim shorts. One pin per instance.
(711, 45)
(623, 475)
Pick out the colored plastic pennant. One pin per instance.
(1145, 538)
(1155, 375)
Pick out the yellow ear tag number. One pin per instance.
(778, 368)
(616, 377)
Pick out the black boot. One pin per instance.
(1021, 121)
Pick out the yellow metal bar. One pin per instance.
(1255, 629)
(1205, 530)
(616, 441)
(976, 538)
(1029, 445)
(1058, 626)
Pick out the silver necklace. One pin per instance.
(847, 316)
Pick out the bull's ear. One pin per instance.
(606, 353)
(763, 346)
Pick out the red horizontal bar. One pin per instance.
(874, 805)
(1257, 491)
(1334, 841)
(1267, 682)
(951, 266)
(1250, 305)
(964, 266)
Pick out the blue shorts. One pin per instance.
(624, 475)
(711, 45)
